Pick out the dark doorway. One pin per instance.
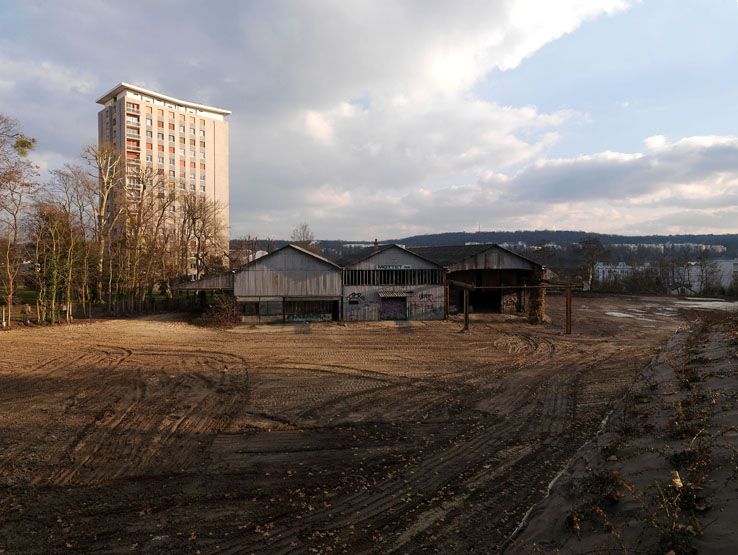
(480, 300)
(335, 313)
(394, 308)
(485, 300)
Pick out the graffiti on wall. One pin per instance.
(356, 298)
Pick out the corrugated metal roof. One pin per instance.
(295, 247)
(360, 254)
(363, 254)
(449, 255)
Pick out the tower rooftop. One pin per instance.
(121, 87)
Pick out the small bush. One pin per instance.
(223, 313)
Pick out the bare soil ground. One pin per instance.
(156, 435)
(662, 477)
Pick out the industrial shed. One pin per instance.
(391, 283)
(289, 284)
(489, 266)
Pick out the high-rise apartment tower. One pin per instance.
(185, 142)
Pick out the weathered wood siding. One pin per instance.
(394, 256)
(362, 302)
(424, 302)
(288, 273)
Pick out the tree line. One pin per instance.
(655, 271)
(99, 231)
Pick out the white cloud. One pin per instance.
(690, 185)
(49, 75)
(678, 184)
(382, 94)
(655, 142)
(46, 160)
(364, 117)
(707, 164)
(318, 127)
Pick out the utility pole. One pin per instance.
(466, 310)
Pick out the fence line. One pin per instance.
(13, 315)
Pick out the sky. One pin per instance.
(376, 119)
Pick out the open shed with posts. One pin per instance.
(389, 282)
(215, 282)
(290, 284)
(498, 277)
(204, 289)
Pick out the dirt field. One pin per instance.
(661, 477)
(155, 435)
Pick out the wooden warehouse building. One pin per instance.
(485, 266)
(289, 284)
(389, 282)
(383, 282)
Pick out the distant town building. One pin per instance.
(183, 142)
(608, 273)
(662, 247)
(690, 278)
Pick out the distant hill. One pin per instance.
(730, 241)
(563, 238)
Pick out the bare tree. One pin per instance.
(16, 184)
(243, 250)
(50, 231)
(303, 237)
(708, 274)
(74, 191)
(678, 274)
(107, 166)
(592, 251)
(150, 211)
(203, 234)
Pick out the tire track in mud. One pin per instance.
(445, 464)
(416, 393)
(143, 419)
(352, 394)
(56, 374)
(117, 354)
(450, 467)
(513, 487)
(284, 390)
(467, 452)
